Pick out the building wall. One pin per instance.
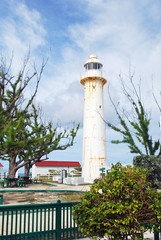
(45, 170)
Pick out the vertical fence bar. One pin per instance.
(44, 219)
(28, 220)
(24, 227)
(49, 219)
(16, 222)
(53, 219)
(63, 221)
(33, 220)
(2, 224)
(67, 217)
(40, 219)
(20, 212)
(36, 220)
(7, 222)
(71, 217)
(156, 235)
(11, 231)
(58, 220)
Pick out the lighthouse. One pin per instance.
(94, 141)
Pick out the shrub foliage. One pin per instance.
(120, 205)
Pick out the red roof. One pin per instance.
(1, 165)
(57, 164)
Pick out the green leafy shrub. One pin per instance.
(153, 165)
(119, 205)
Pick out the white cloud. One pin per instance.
(120, 34)
(21, 29)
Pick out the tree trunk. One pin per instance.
(12, 171)
(12, 167)
(27, 170)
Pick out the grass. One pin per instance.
(46, 180)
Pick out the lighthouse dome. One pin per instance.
(93, 63)
(93, 69)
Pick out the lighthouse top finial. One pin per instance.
(93, 56)
(93, 59)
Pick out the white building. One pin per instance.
(43, 167)
(94, 141)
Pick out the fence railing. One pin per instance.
(38, 221)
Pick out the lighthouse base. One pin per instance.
(97, 172)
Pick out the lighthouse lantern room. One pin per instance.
(94, 141)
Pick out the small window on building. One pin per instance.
(93, 87)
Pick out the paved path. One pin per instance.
(55, 186)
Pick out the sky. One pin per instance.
(126, 37)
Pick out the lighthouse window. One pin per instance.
(90, 66)
(93, 66)
(99, 66)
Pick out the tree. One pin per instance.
(153, 165)
(24, 138)
(12, 89)
(134, 124)
(120, 205)
(45, 139)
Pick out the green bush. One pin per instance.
(153, 165)
(119, 205)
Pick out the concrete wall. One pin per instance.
(74, 180)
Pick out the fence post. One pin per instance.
(156, 235)
(58, 221)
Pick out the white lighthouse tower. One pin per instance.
(94, 142)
